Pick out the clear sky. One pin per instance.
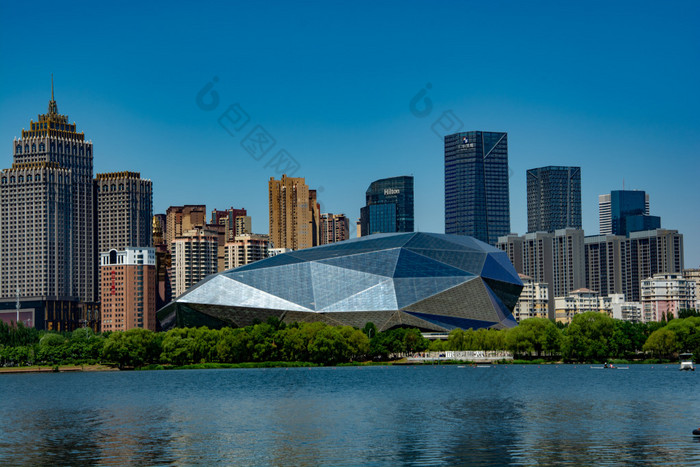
(608, 86)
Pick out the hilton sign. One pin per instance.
(391, 191)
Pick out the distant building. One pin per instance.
(694, 275)
(230, 219)
(533, 301)
(334, 228)
(128, 289)
(124, 211)
(555, 258)
(625, 311)
(388, 206)
(277, 251)
(246, 249)
(624, 211)
(194, 257)
(553, 198)
(581, 301)
(180, 219)
(664, 295)
(294, 214)
(477, 200)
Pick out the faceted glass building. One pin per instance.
(433, 282)
(389, 206)
(477, 201)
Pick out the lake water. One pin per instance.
(415, 415)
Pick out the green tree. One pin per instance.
(662, 343)
(588, 336)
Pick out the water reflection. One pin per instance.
(352, 416)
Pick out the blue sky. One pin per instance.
(608, 86)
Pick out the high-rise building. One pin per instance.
(180, 219)
(230, 219)
(47, 230)
(555, 258)
(194, 257)
(334, 228)
(124, 211)
(294, 214)
(648, 253)
(533, 301)
(128, 289)
(158, 229)
(694, 275)
(605, 257)
(477, 201)
(665, 295)
(388, 206)
(246, 249)
(624, 211)
(553, 198)
(243, 225)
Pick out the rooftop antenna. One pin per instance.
(52, 86)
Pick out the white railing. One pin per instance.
(463, 355)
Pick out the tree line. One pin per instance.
(591, 337)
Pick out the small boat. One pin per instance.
(687, 362)
(696, 432)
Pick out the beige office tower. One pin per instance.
(194, 257)
(47, 231)
(180, 219)
(35, 231)
(334, 228)
(124, 211)
(294, 214)
(246, 249)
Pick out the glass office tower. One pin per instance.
(553, 198)
(389, 206)
(477, 200)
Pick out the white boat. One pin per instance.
(687, 362)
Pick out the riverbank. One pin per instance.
(57, 369)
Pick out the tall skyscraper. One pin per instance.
(47, 234)
(625, 211)
(477, 200)
(388, 207)
(334, 228)
(294, 214)
(553, 198)
(124, 211)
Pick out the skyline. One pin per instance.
(334, 87)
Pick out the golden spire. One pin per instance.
(53, 108)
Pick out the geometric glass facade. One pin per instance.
(553, 198)
(434, 282)
(389, 206)
(477, 199)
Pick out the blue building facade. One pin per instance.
(389, 206)
(477, 201)
(629, 213)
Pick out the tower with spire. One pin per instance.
(47, 226)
